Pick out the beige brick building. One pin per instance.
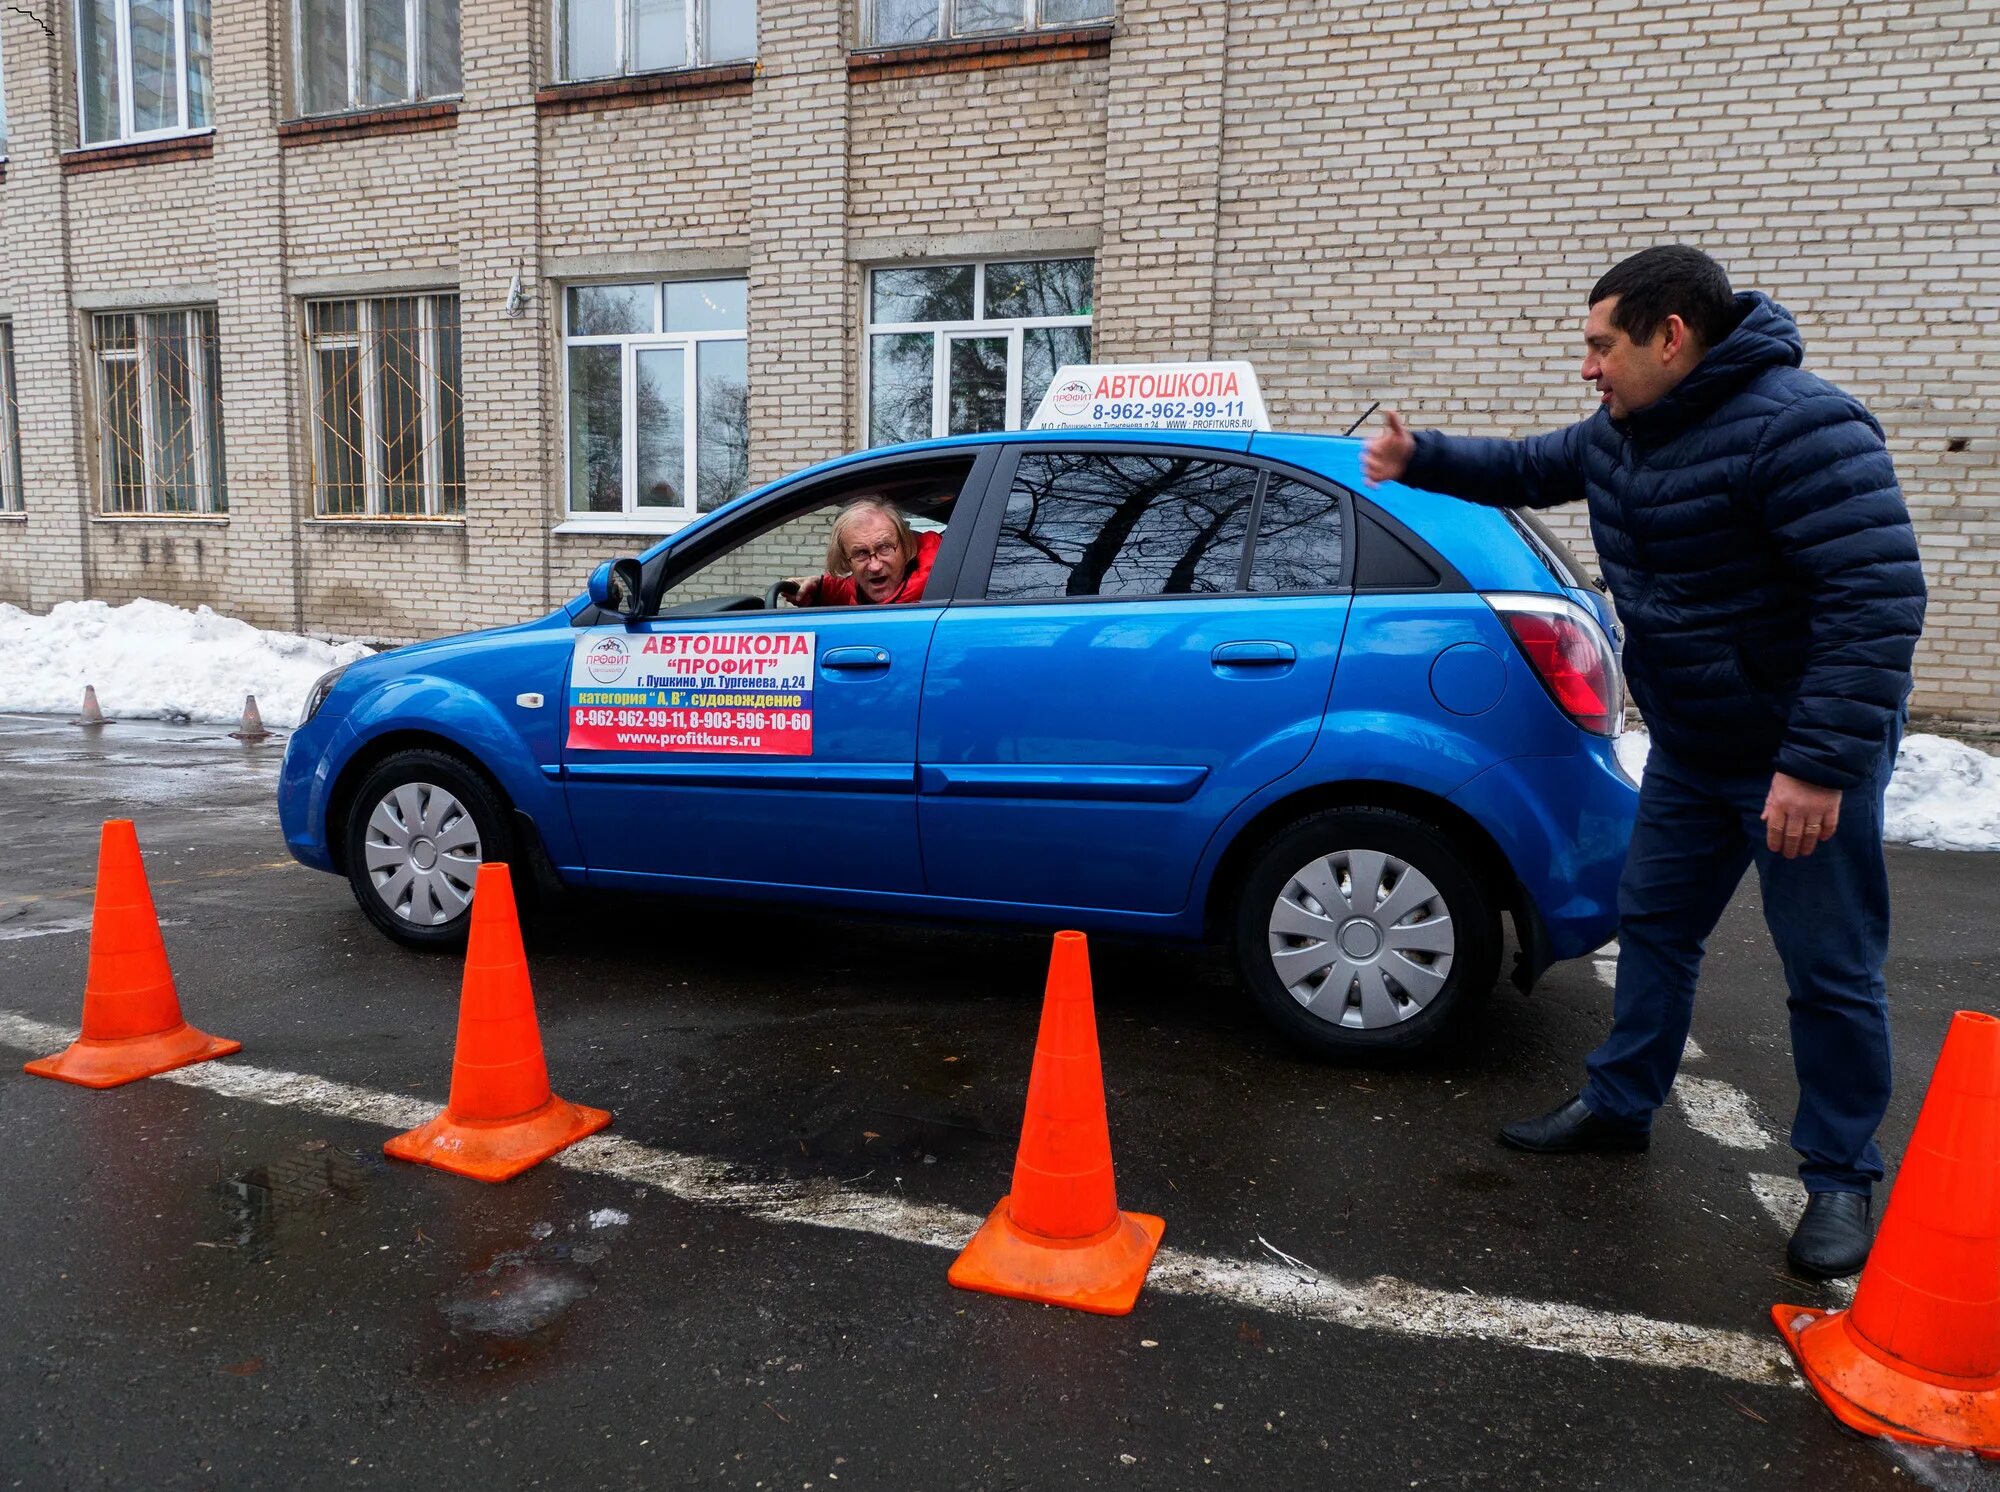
(291, 315)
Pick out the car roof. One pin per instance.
(1478, 541)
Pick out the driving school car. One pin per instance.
(1173, 673)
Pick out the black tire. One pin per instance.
(413, 916)
(1400, 1006)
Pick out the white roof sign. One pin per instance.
(1153, 396)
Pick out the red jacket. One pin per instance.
(840, 590)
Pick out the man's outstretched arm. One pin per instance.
(1538, 472)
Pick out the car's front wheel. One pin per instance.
(417, 829)
(1365, 930)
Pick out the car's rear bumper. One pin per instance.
(1564, 824)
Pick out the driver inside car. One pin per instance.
(873, 558)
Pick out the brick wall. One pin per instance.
(1417, 215)
(1403, 200)
(1025, 147)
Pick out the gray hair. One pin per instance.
(836, 553)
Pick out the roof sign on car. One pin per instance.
(1153, 396)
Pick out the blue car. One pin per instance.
(1188, 685)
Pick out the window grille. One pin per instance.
(388, 432)
(159, 411)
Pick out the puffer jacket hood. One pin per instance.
(1766, 337)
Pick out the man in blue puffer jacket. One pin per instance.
(1762, 560)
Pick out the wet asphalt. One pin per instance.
(204, 1292)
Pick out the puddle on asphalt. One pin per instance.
(515, 1307)
(263, 1206)
(517, 1303)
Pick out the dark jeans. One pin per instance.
(1828, 913)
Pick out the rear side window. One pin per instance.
(1301, 539)
(1096, 524)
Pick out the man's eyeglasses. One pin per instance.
(888, 552)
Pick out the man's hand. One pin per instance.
(1387, 455)
(1799, 816)
(800, 590)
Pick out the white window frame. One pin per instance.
(122, 35)
(948, 28)
(199, 397)
(367, 341)
(418, 61)
(12, 504)
(631, 517)
(696, 49)
(945, 332)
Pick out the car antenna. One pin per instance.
(1364, 415)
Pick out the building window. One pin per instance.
(954, 349)
(159, 411)
(602, 38)
(895, 23)
(388, 432)
(373, 54)
(3, 106)
(659, 390)
(141, 68)
(10, 425)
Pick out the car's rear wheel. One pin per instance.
(417, 829)
(1364, 930)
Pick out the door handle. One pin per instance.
(1253, 655)
(854, 660)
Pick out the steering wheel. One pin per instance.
(771, 595)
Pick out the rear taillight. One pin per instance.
(1570, 655)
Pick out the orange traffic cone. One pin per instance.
(132, 1024)
(1917, 1357)
(92, 713)
(251, 726)
(1059, 1237)
(501, 1118)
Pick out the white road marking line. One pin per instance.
(1722, 1112)
(1383, 1303)
(1783, 1199)
(1606, 965)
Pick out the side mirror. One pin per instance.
(614, 586)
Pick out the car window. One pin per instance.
(743, 575)
(1097, 524)
(1301, 539)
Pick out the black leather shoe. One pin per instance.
(1572, 1126)
(1832, 1238)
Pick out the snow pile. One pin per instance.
(1945, 795)
(148, 660)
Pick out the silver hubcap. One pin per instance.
(1362, 939)
(423, 853)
